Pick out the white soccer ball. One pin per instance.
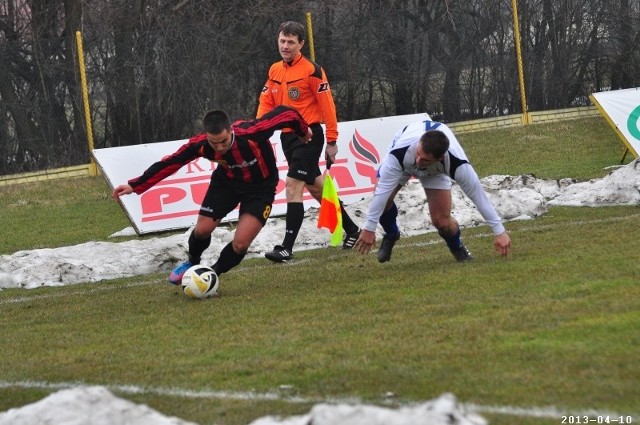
(200, 282)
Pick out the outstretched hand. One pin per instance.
(123, 189)
(365, 242)
(502, 243)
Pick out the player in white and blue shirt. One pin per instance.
(430, 152)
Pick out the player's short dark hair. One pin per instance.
(216, 121)
(434, 142)
(292, 28)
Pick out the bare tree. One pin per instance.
(155, 66)
(39, 90)
(625, 67)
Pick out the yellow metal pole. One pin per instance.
(526, 119)
(85, 100)
(312, 52)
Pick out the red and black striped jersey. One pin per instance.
(249, 160)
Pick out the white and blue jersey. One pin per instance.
(400, 165)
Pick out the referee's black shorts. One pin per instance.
(303, 158)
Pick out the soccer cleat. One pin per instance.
(350, 239)
(386, 246)
(462, 254)
(279, 254)
(175, 278)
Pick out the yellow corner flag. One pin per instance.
(330, 215)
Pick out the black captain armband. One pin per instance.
(332, 143)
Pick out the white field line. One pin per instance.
(27, 298)
(549, 412)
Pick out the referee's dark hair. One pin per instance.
(292, 28)
(434, 142)
(216, 121)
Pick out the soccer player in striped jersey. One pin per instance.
(246, 174)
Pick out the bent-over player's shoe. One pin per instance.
(462, 254)
(279, 254)
(350, 239)
(386, 246)
(175, 278)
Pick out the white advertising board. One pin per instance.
(622, 109)
(174, 202)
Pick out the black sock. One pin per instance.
(228, 259)
(388, 222)
(453, 242)
(347, 224)
(295, 215)
(197, 247)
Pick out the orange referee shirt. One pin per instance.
(303, 86)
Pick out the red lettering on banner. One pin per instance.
(280, 187)
(192, 165)
(153, 200)
(275, 151)
(367, 171)
(198, 191)
(342, 176)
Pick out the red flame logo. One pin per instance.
(367, 157)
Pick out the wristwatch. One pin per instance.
(332, 143)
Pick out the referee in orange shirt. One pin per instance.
(299, 83)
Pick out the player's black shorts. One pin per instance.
(223, 196)
(303, 157)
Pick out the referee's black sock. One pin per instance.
(228, 259)
(295, 215)
(347, 224)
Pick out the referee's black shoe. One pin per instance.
(350, 239)
(386, 246)
(279, 254)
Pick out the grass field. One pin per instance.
(553, 330)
